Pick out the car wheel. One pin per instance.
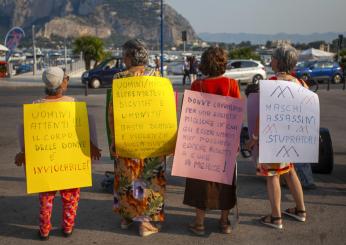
(256, 78)
(305, 77)
(337, 79)
(95, 83)
(326, 159)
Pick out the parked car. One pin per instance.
(3, 69)
(102, 75)
(246, 71)
(319, 71)
(23, 68)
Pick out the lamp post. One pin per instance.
(161, 39)
(34, 49)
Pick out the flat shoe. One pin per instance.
(295, 214)
(67, 233)
(42, 238)
(271, 223)
(225, 228)
(125, 225)
(197, 229)
(146, 230)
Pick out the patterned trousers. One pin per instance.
(70, 200)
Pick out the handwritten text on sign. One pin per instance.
(289, 123)
(208, 137)
(145, 118)
(57, 146)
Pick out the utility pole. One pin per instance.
(65, 54)
(161, 40)
(34, 49)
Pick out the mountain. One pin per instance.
(263, 38)
(115, 20)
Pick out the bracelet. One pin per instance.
(254, 137)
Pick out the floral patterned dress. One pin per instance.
(139, 184)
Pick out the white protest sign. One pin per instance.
(289, 123)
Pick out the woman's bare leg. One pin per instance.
(274, 194)
(296, 190)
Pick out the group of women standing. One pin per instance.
(139, 184)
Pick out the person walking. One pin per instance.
(186, 70)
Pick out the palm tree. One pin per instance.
(92, 49)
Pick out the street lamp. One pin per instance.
(34, 70)
(161, 40)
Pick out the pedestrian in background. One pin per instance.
(201, 194)
(186, 70)
(193, 68)
(284, 59)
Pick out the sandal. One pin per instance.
(67, 233)
(125, 224)
(225, 228)
(42, 237)
(271, 223)
(197, 229)
(147, 229)
(296, 214)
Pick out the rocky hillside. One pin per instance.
(115, 20)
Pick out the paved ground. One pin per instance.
(96, 224)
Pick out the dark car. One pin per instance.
(102, 75)
(23, 68)
(319, 71)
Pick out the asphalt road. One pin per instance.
(97, 224)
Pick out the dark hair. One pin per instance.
(137, 51)
(214, 61)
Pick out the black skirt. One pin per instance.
(204, 195)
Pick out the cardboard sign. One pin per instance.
(289, 123)
(57, 146)
(208, 138)
(145, 118)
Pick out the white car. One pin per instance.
(246, 71)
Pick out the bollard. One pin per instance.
(86, 88)
(328, 87)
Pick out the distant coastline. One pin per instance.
(263, 38)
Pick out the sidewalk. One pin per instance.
(97, 224)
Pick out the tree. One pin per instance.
(243, 53)
(92, 49)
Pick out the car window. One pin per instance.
(318, 65)
(328, 65)
(236, 64)
(247, 64)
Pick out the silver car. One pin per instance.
(246, 71)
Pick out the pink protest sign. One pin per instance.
(208, 137)
(252, 115)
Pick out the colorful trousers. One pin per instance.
(70, 200)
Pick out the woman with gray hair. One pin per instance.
(139, 184)
(284, 60)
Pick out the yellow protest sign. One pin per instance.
(57, 146)
(145, 119)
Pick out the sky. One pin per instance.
(263, 16)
